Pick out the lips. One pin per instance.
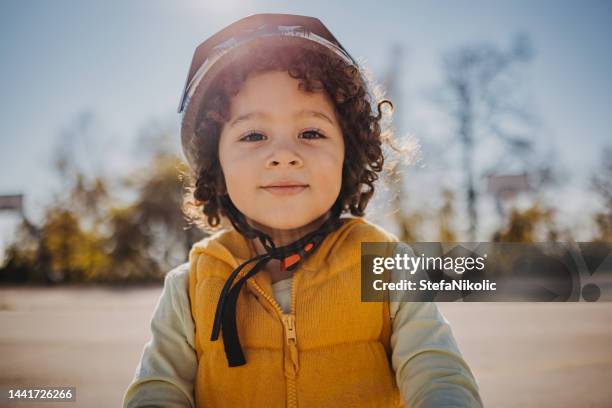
(285, 183)
(285, 187)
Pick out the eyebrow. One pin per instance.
(262, 115)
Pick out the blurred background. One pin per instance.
(506, 104)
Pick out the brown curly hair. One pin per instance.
(206, 198)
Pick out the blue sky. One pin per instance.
(126, 63)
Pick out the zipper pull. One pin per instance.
(291, 352)
(289, 323)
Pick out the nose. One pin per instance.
(284, 156)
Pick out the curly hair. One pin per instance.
(206, 198)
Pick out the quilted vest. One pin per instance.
(331, 350)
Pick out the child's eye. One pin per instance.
(312, 134)
(253, 137)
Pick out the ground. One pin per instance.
(522, 354)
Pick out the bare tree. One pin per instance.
(479, 88)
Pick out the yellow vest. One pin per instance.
(331, 350)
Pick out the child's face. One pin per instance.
(277, 133)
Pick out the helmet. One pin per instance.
(227, 45)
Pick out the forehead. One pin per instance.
(276, 92)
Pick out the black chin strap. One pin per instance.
(290, 256)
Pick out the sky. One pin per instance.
(124, 64)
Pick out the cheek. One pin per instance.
(238, 174)
(328, 169)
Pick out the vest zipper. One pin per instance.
(291, 364)
(292, 343)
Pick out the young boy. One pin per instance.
(279, 133)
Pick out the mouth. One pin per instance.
(285, 188)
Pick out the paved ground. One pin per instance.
(523, 355)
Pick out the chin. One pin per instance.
(285, 224)
(282, 221)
